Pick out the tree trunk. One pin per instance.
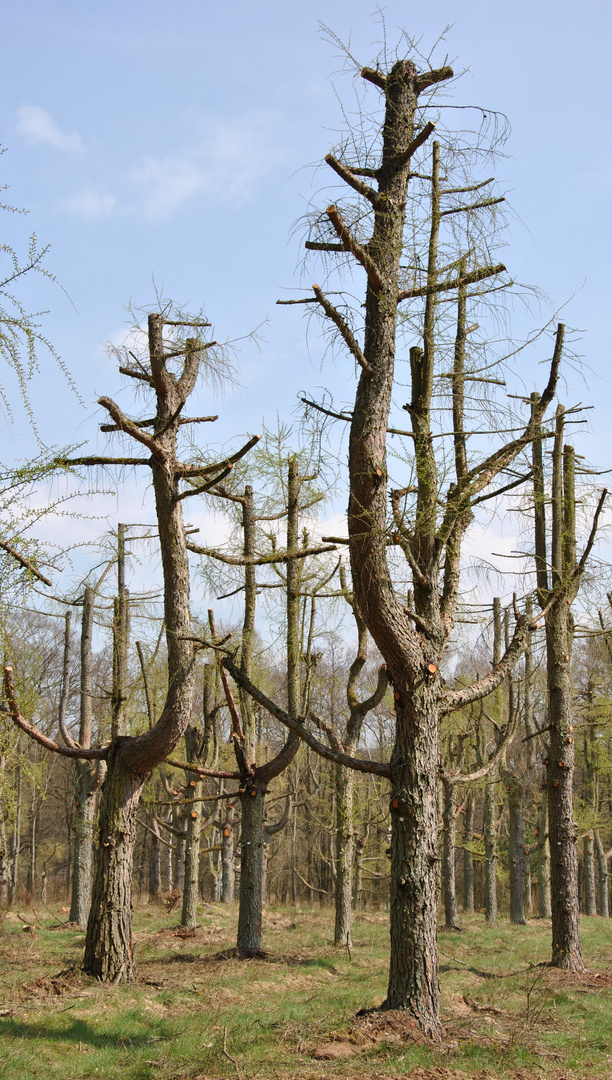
(490, 846)
(544, 903)
(251, 868)
(560, 782)
(588, 875)
(4, 868)
(109, 950)
(155, 885)
(413, 971)
(228, 874)
(192, 859)
(603, 904)
(360, 845)
(527, 886)
(516, 848)
(344, 854)
(82, 836)
(468, 855)
(448, 856)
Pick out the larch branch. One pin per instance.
(471, 278)
(355, 248)
(349, 178)
(26, 563)
(345, 330)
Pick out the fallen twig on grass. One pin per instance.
(229, 1056)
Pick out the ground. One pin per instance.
(195, 1011)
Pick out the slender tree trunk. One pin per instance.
(603, 905)
(178, 822)
(560, 762)
(544, 901)
(516, 849)
(468, 855)
(84, 783)
(16, 845)
(228, 875)
(527, 887)
(82, 836)
(251, 869)
(490, 846)
(588, 875)
(4, 867)
(360, 845)
(344, 854)
(448, 856)
(192, 859)
(155, 885)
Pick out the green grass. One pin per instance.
(275, 1014)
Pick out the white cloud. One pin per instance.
(92, 202)
(39, 128)
(224, 162)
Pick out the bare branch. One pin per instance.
(127, 425)
(205, 470)
(414, 145)
(36, 735)
(355, 248)
(349, 178)
(297, 726)
(347, 334)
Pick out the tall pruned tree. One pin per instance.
(170, 369)
(416, 263)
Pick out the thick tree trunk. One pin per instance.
(251, 870)
(344, 854)
(603, 904)
(516, 849)
(413, 971)
(448, 856)
(468, 855)
(588, 874)
(82, 834)
(490, 846)
(109, 949)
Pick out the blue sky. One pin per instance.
(174, 142)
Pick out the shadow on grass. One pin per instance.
(79, 1031)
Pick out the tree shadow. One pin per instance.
(80, 1031)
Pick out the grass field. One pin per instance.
(195, 1011)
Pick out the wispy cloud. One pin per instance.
(225, 161)
(90, 203)
(38, 128)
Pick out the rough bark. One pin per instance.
(109, 946)
(251, 871)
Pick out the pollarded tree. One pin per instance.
(403, 228)
(170, 369)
